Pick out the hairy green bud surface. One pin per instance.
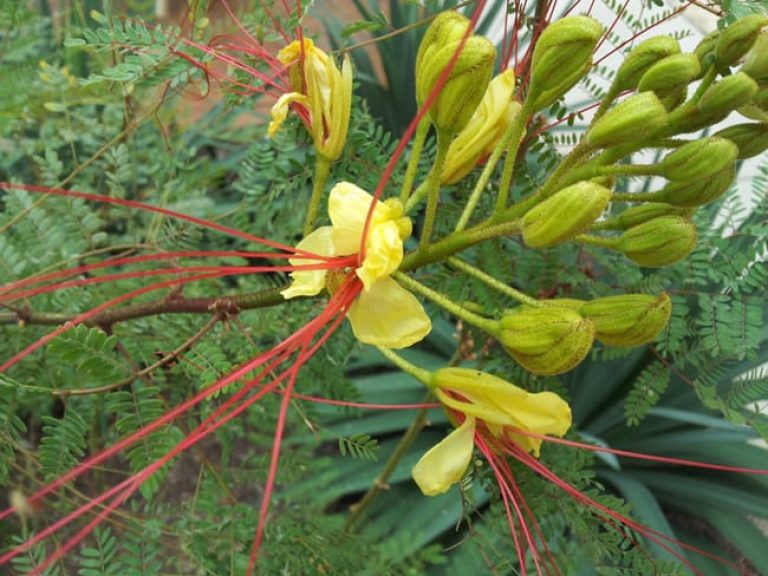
(641, 58)
(670, 74)
(628, 319)
(705, 50)
(645, 212)
(466, 83)
(639, 116)
(750, 138)
(736, 40)
(547, 340)
(565, 214)
(562, 56)
(699, 159)
(658, 242)
(730, 93)
(447, 28)
(756, 62)
(700, 191)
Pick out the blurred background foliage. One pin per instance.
(95, 99)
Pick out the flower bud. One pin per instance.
(670, 74)
(750, 138)
(570, 303)
(705, 50)
(700, 191)
(466, 83)
(565, 214)
(675, 98)
(639, 116)
(698, 159)
(447, 28)
(658, 242)
(562, 56)
(736, 40)
(547, 340)
(730, 93)
(641, 58)
(496, 112)
(629, 319)
(756, 62)
(645, 212)
(322, 90)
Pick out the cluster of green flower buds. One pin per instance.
(556, 336)
(449, 41)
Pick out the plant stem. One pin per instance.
(635, 197)
(322, 169)
(600, 241)
(444, 302)
(413, 162)
(509, 163)
(489, 280)
(457, 242)
(511, 139)
(416, 197)
(423, 376)
(433, 186)
(380, 483)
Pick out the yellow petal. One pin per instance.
(445, 463)
(388, 315)
(280, 110)
(310, 282)
(383, 253)
(348, 207)
(501, 404)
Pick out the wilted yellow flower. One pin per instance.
(497, 110)
(384, 314)
(501, 407)
(325, 92)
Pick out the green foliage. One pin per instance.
(63, 443)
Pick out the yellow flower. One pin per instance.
(497, 110)
(502, 408)
(384, 314)
(323, 89)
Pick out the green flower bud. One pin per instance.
(760, 99)
(562, 56)
(658, 242)
(670, 74)
(565, 214)
(629, 319)
(570, 303)
(698, 159)
(700, 191)
(641, 58)
(736, 40)
(756, 62)
(758, 108)
(447, 28)
(645, 212)
(705, 50)
(675, 98)
(750, 138)
(466, 83)
(547, 340)
(730, 93)
(639, 116)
